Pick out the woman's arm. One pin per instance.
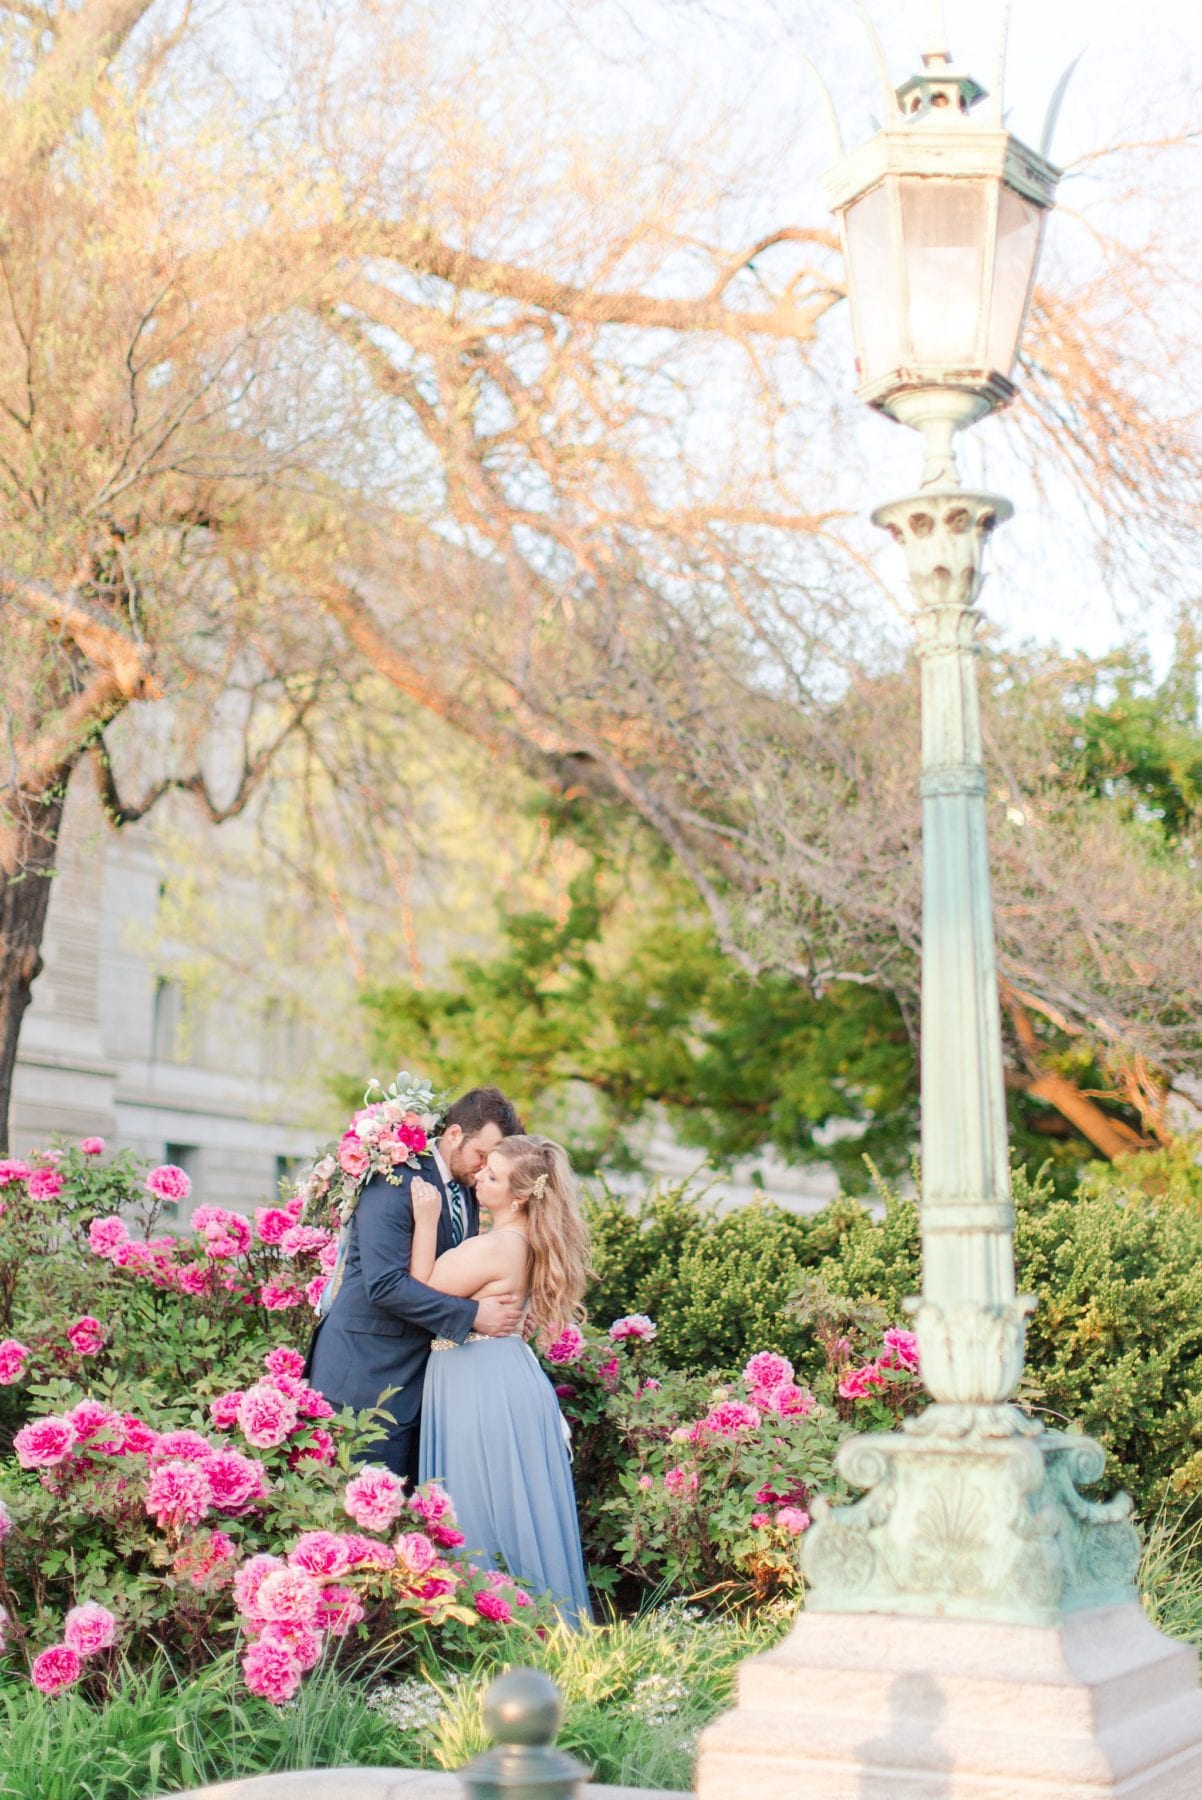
(481, 1262)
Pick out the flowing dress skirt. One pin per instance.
(492, 1435)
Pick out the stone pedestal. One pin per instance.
(871, 1706)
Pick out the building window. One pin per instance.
(286, 1170)
(164, 1029)
(187, 1158)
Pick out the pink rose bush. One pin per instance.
(889, 1380)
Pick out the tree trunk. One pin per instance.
(28, 850)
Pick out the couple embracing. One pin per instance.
(429, 1306)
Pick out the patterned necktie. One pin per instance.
(458, 1212)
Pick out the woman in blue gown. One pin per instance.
(492, 1433)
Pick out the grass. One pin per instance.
(636, 1694)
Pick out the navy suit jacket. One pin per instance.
(377, 1333)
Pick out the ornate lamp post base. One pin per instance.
(972, 1512)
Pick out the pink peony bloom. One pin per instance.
(44, 1442)
(786, 1401)
(271, 1671)
(266, 1416)
(284, 1361)
(730, 1417)
(491, 1606)
(318, 1446)
(859, 1382)
(45, 1184)
(90, 1628)
(288, 1595)
(104, 1235)
(278, 1299)
(169, 1182)
(193, 1280)
(367, 1553)
(607, 1375)
(86, 1335)
(302, 1640)
(634, 1325)
(235, 1479)
(178, 1493)
(138, 1438)
(99, 1427)
(249, 1580)
(271, 1222)
(681, 1481)
(303, 1240)
(322, 1554)
(901, 1350)
(185, 1443)
(315, 1289)
(416, 1552)
(794, 1519)
(12, 1169)
(760, 1521)
(375, 1499)
(567, 1346)
(564, 1390)
(646, 1483)
(339, 1610)
(56, 1669)
(327, 1257)
(92, 1146)
(12, 1361)
(224, 1409)
(768, 1370)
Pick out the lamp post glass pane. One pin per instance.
(874, 309)
(1019, 225)
(943, 231)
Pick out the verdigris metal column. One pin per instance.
(973, 1509)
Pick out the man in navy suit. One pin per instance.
(378, 1331)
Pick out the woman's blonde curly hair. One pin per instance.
(541, 1175)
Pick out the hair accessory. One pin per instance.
(539, 1186)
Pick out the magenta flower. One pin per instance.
(416, 1552)
(787, 1401)
(178, 1493)
(271, 1671)
(680, 1481)
(315, 1289)
(368, 1553)
(339, 1611)
(793, 1519)
(44, 1442)
(224, 1410)
(760, 1521)
(266, 1416)
(13, 1169)
(271, 1222)
(303, 1240)
(288, 1595)
(318, 1447)
(634, 1325)
(768, 1370)
(302, 1641)
(567, 1346)
(13, 1356)
(607, 1375)
(353, 1156)
(45, 1184)
(86, 1336)
(105, 1234)
(90, 1628)
(859, 1382)
(235, 1479)
(185, 1443)
(169, 1182)
(139, 1438)
(55, 1669)
(321, 1554)
(285, 1361)
(901, 1350)
(491, 1606)
(730, 1417)
(249, 1580)
(278, 1299)
(92, 1146)
(99, 1427)
(375, 1499)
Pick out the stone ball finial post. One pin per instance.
(522, 1712)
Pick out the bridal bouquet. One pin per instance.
(387, 1134)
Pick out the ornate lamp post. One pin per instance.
(973, 1581)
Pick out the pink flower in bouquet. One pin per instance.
(105, 1234)
(55, 1669)
(45, 1184)
(760, 1521)
(354, 1158)
(315, 1289)
(284, 1361)
(787, 1400)
(607, 1375)
(271, 1671)
(413, 1137)
(247, 1582)
(12, 1361)
(224, 1409)
(901, 1350)
(375, 1499)
(339, 1610)
(235, 1479)
(278, 1299)
(90, 1628)
(92, 1146)
(266, 1416)
(13, 1169)
(322, 1554)
(301, 1640)
(416, 1552)
(634, 1325)
(186, 1444)
(178, 1493)
(99, 1427)
(319, 1447)
(680, 1481)
(491, 1606)
(289, 1595)
(303, 1240)
(169, 1182)
(730, 1417)
(768, 1370)
(86, 1335)
(859, 1382)
(44, 1442)
(139, 1439)
(568, 1346)
(793, 1519)
(368, 1553)
(271, 1222)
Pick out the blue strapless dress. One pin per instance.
(492, 1435)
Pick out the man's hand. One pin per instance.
(427, 1201)
(498, 1316)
